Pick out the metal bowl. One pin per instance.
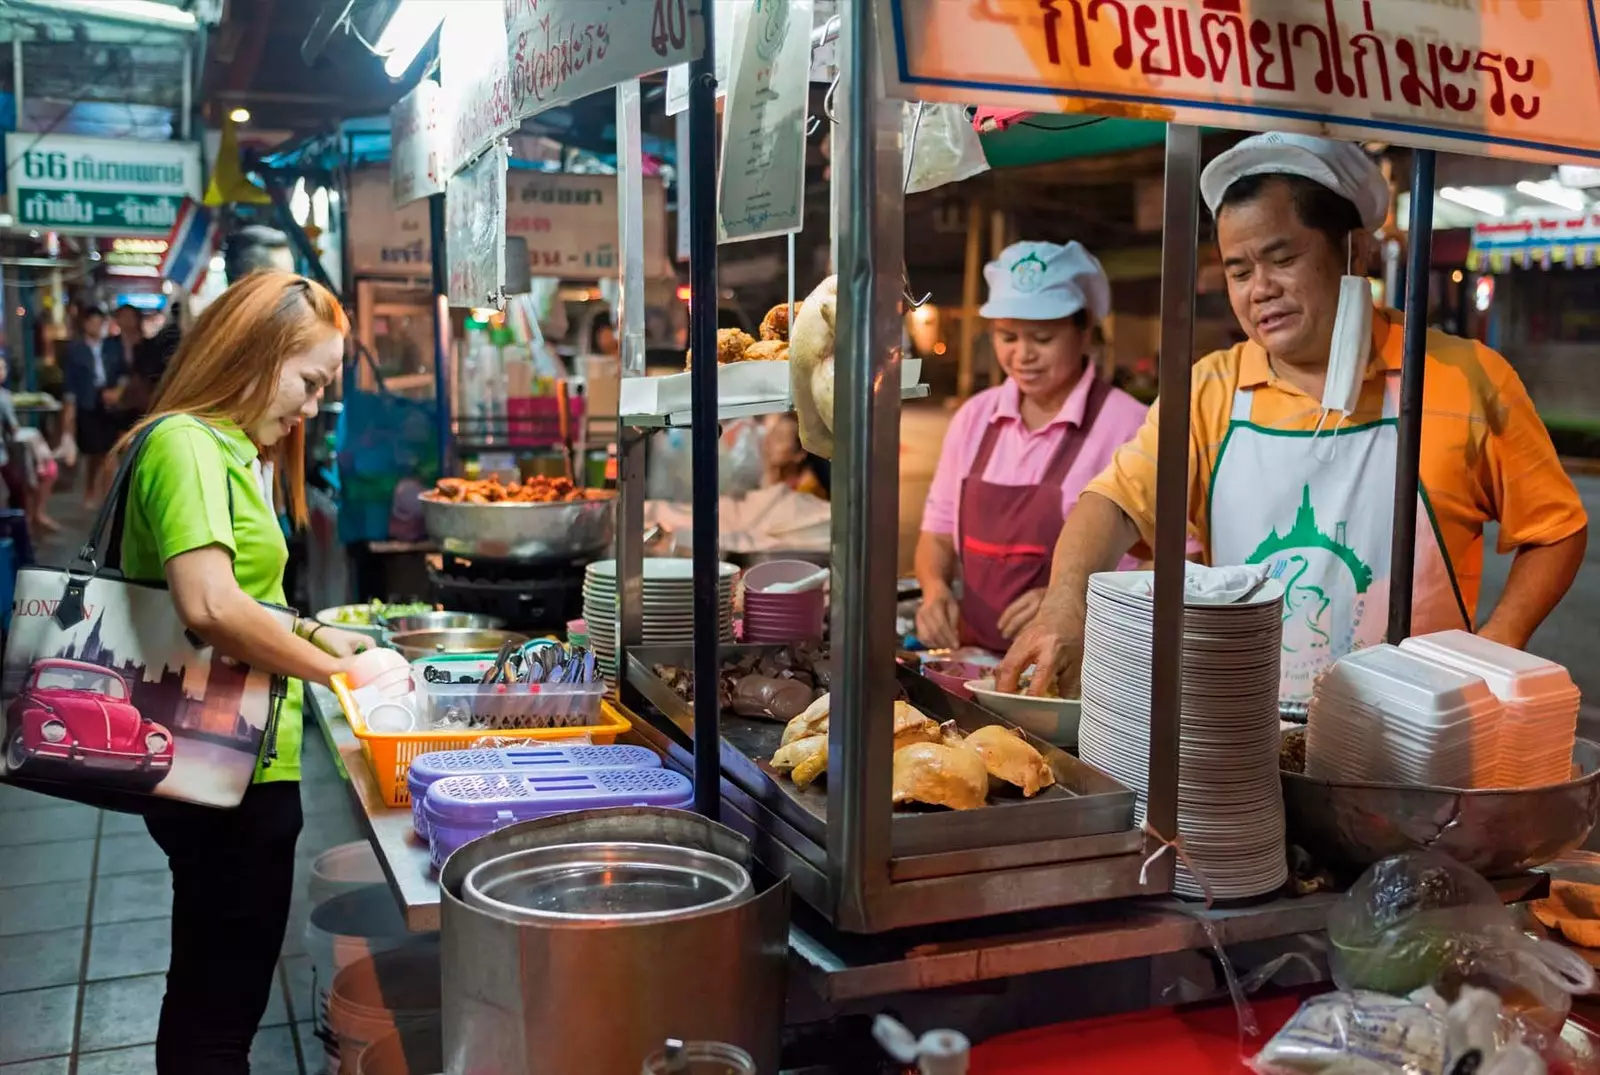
(417, 644)
(441, 621)
(1497, 832)
(606, 882)
(521, 531)
(328, 617)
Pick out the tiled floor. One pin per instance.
(85, 903)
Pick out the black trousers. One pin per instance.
(232, 879)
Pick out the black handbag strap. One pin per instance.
(102, 552)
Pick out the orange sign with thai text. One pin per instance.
(1502, 78)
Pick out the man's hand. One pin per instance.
(939, 618)
(1053, 645)
(1020, 613)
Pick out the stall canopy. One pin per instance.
(1042, 139)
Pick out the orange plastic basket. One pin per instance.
(391, 753)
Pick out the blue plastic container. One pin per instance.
(428, 768)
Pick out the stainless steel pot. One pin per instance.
(612, 883)
(442, 621)
(544, 978)
(413, 645)
(521, 531)
(1495, 831)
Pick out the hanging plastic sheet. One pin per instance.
(475, 213)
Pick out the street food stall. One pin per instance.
(1080, 872)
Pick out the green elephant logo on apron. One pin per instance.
(1306, 605)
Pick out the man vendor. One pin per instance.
(1292, 442)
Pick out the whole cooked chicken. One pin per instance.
(812, 721)
(911, 725)
(940, 776)
(811, 348)
(804, 759)
(1010, 758)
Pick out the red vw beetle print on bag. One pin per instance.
(73, 715)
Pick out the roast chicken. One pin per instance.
(804, 759)
(938, 775)
(1009, 758)
(811, 344)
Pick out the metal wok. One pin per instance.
(1497, 832)
(516, 531)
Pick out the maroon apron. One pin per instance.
(1009, 532)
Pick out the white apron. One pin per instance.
(1322, 506)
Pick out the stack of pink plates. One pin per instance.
(778, 617)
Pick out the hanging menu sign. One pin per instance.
(761, 186)
(414, 135)
(570, 224)
(561, 50)
(1502, 79)
(475, 219)
(475, 79)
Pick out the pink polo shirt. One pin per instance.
(1021, 455)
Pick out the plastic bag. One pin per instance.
(1422, 919)
(1357, 1033)
(943, 146)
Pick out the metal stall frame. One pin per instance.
(861, 887)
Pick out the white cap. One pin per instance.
(1045, 282)
(1341, 167)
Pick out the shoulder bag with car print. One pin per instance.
(106, 698)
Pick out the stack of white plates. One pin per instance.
(1541, 718)
(1387, 715)
(668, 605)
(1230, 802)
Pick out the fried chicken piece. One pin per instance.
(732, 343)
(767, 351)
(1010, 758)
(940, 776)
(775, 326)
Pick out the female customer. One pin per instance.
(1015, 457)
(202, 515)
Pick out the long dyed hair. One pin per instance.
(228, 365)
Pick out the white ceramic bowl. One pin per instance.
(1055, 720)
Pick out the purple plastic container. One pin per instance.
(463, 808)
(442, 763)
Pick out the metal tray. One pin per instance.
(1083, 801)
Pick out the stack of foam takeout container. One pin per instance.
(1388, 715)
(1541, 703)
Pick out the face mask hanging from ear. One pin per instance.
(1352, 340)
(1349, 350)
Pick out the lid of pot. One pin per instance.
(597, 883)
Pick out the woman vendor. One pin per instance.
(1016, 456)
(1293, 438)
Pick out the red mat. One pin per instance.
(1199, 1040)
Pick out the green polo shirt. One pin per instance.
(178, 502)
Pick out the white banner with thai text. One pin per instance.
(384, 240)
(762, 182)
(415, 167)
(561, 50)
(475, 222)
(1499, 79)
(475, 80)
(570, 224)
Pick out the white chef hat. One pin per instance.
(1342, 167)
(1045, 282)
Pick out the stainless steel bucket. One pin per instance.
(528, 992)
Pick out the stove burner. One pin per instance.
(532, 596)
